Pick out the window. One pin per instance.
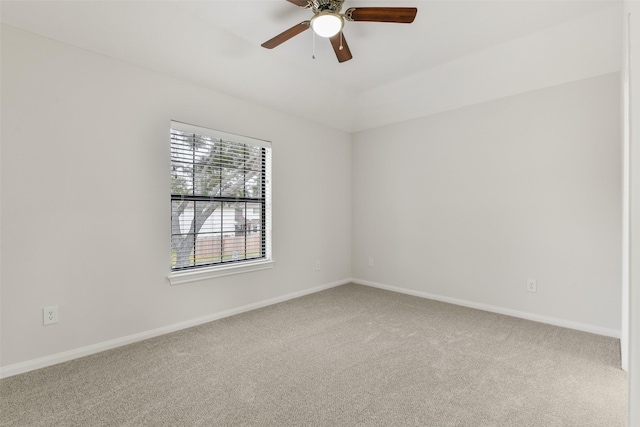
(220, 200)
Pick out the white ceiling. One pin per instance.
(455, 53)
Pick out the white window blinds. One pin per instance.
(220, 198)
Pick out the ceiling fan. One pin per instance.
(327, 21)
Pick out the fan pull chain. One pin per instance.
(341, 47)
(313, 36)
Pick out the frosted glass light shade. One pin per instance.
(327, 24)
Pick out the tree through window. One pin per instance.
(220, 210)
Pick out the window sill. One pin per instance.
(180, 277)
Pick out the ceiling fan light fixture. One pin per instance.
(327, 24)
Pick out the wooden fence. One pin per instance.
(211, 248)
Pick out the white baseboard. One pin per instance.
(42, 362)
(500, 310)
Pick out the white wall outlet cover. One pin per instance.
(50, 315)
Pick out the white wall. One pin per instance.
(467, 205)
(85, 147)
(632, 36)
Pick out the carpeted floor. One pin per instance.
(348, 356)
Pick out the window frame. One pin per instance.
(206, 271)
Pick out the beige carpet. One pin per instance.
(348, 356)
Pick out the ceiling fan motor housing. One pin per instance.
(326, 5)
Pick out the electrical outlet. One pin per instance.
(532, 286)
(370, 262)
(50, 315)
(317, 265)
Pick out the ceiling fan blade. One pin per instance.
(286, 35)
(301, 3)
(340, 47)
(402, 15)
